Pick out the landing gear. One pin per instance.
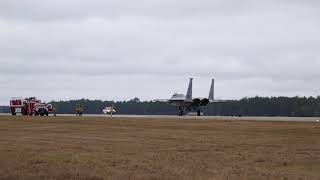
(198, 113)
(180, 111)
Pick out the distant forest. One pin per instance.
(255, 106)
(4, 109)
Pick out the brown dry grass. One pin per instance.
(123, 148)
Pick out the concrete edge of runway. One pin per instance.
(223, 118)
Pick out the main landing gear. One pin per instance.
(180, 111)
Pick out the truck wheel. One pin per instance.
(13, 114)
(41, 114)
(47, 114)
(198, 113)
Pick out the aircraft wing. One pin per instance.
(221, 100)
(161, 100)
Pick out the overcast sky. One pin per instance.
(120, 49)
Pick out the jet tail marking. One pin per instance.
(189, 92)
(211, 93)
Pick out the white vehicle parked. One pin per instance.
(109, 110)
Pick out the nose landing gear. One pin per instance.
(198, 113)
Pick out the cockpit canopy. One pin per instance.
(176, 95)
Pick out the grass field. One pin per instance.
(122, 148)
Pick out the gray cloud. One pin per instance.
(121, 49)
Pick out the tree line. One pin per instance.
(254, 106)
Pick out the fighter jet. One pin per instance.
(186, 103)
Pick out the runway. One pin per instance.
(189, 117)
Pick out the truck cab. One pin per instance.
(41, 109)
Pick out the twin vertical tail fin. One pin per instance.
(211, 93)
(189, 92)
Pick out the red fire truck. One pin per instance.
(29, 106)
